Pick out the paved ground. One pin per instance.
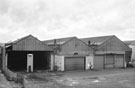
(3, 82)
(110, 78)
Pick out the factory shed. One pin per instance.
(28, 53)
(110, 51)
(71, 54)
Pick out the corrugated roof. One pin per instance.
(96, 40)
(59, 41)
(131, 42)
(14, 42)
(25, 46)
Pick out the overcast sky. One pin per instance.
(49, 19)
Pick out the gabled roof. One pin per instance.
(96, 40)
(59, 41)
(131, 42)
(74, 38)
(75, 44)
(20, 39)
(28, 43)
(114, 44)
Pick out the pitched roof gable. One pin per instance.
(75, 44)
(75, 38)
(59, 41)
(113, 44)
(96, 40)
(18, 40)
(29, 43)
(130, 42)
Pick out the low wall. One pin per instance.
(10, 75)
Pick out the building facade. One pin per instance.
(110, 51)
(71, 54)
(27, 53)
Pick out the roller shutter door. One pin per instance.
(74, 63)
(109, 61)
(119, 60)
(99, 62)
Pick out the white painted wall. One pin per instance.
(89, 61)
(59, 62)
(52, 62)
(133, 52)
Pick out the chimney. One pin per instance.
(55, 42)
(89, 42)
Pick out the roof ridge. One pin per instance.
(68, 41)
(106, 40)
(98, 36)
(22, 38)
(59, 38)
(79, 40)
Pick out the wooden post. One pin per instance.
(52, 61)
(4, 58)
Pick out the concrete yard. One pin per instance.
(108, 78)
(3, 82)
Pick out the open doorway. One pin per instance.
(17, 60)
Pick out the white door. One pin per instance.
(29, 62)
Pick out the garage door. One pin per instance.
(74, 63)
(99, 62)
(119, 60)
(109, 61)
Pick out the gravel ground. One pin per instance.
(109, 78)
(3, 82)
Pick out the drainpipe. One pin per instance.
(55, 44)
(124, 61)
(104, 59)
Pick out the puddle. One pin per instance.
(96, 81)
(91, 78)
(96, 78)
